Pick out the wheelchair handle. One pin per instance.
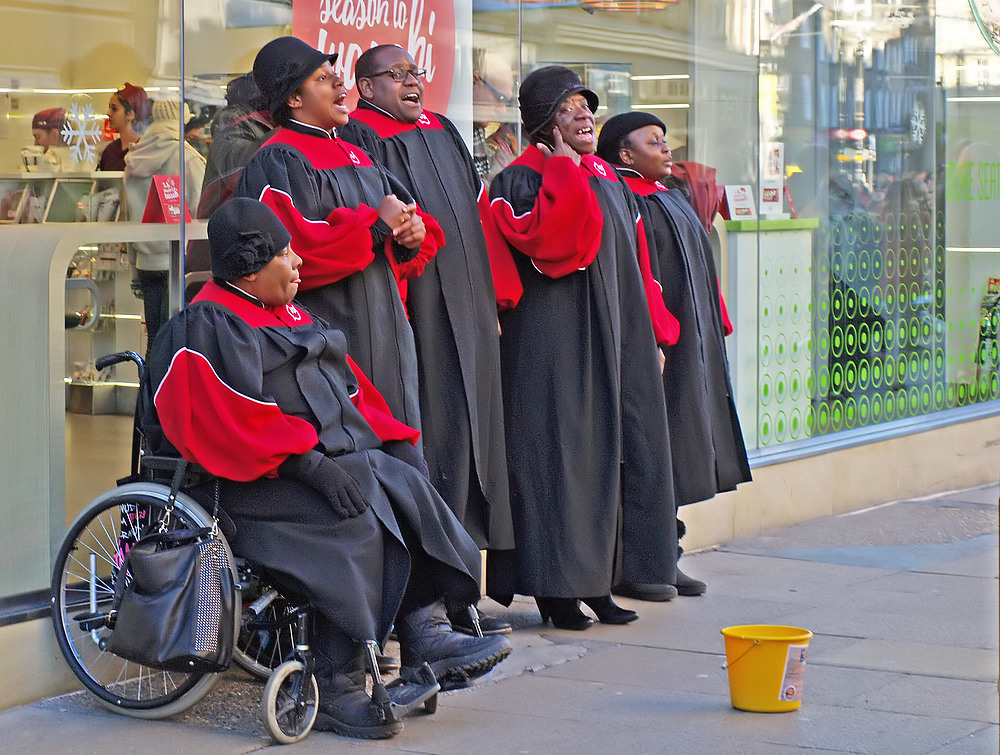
(122, 356)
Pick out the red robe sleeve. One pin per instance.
(666, 327)
(561, 233)
(506, 280)
(229, 433)
(376, 412)
(331, 249)
(727, 324)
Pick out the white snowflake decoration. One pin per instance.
(918, 124)
(82, 130)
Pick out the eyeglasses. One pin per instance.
(501, 98)
(399, 74)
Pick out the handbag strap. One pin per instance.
(175, 486)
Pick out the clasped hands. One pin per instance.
(407, 226)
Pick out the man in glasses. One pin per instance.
(451, 305)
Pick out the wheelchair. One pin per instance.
(272, 633)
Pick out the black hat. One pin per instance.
(244, 235)
(282, 65)
(542, 92)
(617, 128)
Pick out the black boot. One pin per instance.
(344, 706)
(686, 585)
(426, 636)
(464, 620)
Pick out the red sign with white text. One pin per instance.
(424, 28)
(163, 204)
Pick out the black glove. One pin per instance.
(403, 451)
(328, 478)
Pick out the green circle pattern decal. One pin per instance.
(859, 335)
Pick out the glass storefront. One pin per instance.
(864, 288)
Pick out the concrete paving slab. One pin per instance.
(770, 575)
(985, 741)
(31, 729)
(919, 658)
(984, 564)
(927, 627)
(683, 718)
(932, 696)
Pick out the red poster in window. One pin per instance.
(163, 204)
(424, 28)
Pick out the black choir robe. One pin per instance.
(453, 312)
(587, 443)
(326, 193)
(238, 389)
(709, 455)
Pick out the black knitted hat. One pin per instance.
(244, 235)
(542, 92)
(282, 65)
(617, 128)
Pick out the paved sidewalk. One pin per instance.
(902, 599)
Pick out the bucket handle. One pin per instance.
(727, 664)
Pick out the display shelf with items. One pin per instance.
(102, 316)
(60, 197)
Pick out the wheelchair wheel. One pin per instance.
(83, 584)
(267, 627)
(289, 719)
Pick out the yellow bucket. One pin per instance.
(766, 666)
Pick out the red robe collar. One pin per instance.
(325, 153)
(387, 126)
(533, 158)
(255, 315)
(643, 186)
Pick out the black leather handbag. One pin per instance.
(177, 607)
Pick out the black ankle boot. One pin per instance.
(344, 705)
(565, 613)
(610, 612)
(461, 621)
(426, 636)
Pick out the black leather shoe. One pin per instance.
(610, 612)
(564, 613)
(387, 664)
(689, 585)
(461, 621)
(648, 592)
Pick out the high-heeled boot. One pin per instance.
(610, 612)
(564, 613)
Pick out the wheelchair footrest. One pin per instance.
(412, 689)
(90, 621)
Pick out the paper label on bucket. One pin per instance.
(795, 671)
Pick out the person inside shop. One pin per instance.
(237, 132)
(196, 135)
(354, 224)
(494, 141)
(587, 444)
(46, 130)
(129, 114)
(451, 305)
(160, 151)
(324, 486)
(706, 442)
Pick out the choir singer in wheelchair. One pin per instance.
(324, 486)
